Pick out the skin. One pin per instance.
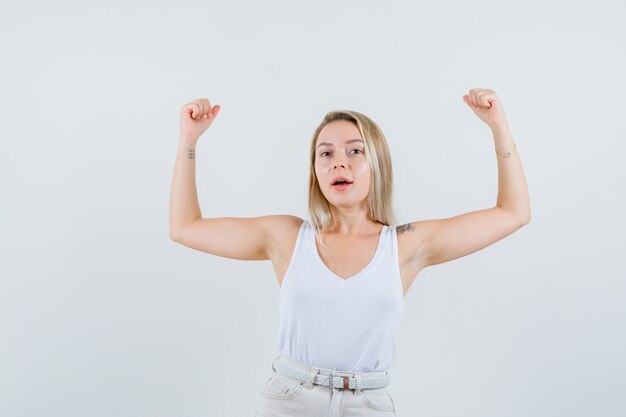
(352, 237)
(337, 154)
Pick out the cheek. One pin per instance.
(318, 173)
(364, 170)
(365, 177)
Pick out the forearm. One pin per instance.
(512, 188)
(184, 207)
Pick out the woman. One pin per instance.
(344, 273)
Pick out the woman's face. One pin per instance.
(340, 151)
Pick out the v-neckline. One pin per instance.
(363, 271)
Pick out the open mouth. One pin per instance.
(341, 184)
(340, 179)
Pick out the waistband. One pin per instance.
(344, 380)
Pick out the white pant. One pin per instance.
(284, 396)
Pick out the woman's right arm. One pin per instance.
(238, 238)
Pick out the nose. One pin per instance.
(339, 164)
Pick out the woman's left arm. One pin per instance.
(512, 188)
(440, 240)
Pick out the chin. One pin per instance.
(342, 202)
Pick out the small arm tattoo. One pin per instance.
(405, 227)
(191, 154)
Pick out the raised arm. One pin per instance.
(238, 238)
(195, 119)
(435, 241)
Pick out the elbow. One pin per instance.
(521, 217)
(178, 232)
(524, 220)
(174, 236)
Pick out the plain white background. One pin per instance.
(101, 314)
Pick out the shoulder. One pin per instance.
(407, 227)
(411, 238)
(276, 225)
(280, 220)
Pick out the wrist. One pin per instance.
(188, 141)
(500, 128)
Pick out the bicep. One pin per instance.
(229, 237)
(454, 237)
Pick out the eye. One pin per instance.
(322, 154)
(359, 151)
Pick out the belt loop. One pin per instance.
(308, 383)
(274, 361)
(357, 377)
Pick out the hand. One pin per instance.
(196, 117)
(486, 105)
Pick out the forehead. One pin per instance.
(338, 132)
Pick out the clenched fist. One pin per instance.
(196, 117)
(487, 106)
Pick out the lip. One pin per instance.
(341, 187)
(341, 177)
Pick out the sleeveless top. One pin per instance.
(345, 325)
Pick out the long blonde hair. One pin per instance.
(380, 197)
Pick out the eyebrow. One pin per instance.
(330, 143)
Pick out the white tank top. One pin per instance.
(346, 325)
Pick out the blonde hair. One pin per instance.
(380, 197)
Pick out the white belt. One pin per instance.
(343, 382)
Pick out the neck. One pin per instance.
(351, 222)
